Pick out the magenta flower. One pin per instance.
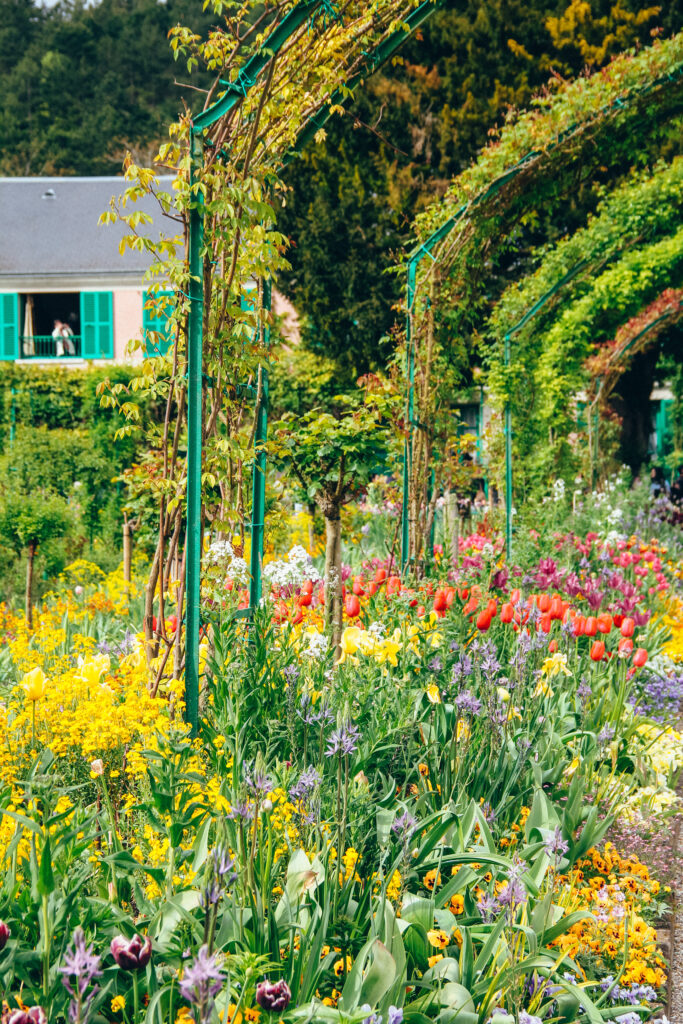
(4, 934)
(273, 996)
(36, 1015)
(131, 954)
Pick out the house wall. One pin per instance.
(127, 309)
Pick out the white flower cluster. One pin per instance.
(377, 630)
(293, 571)
(222, 555)
(316, 644)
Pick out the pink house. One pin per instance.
(57, 263)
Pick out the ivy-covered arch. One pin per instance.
(569, 134)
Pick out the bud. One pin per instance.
(267, 805)
(131, 954)
(273, 996)
(4, 934)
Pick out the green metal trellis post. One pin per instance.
(194, 443)
(234, 93)
(258, 504)
(414, 260)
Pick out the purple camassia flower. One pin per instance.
(584, 691)
(291, 673)
(467, 703)
(82, 965)
(394, 1015)
(462, 669)
(305, 784)
(436, 664)
(306, 713)
(557, 844)
(222, 875)
(200, 984)
(404, 824)
(528, 1018)
(241, 809)
(324, 715)
(661, 697)
(343, 740)
(488, 906)
(257, 782)
(606, 734)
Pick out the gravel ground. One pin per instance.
(675, 1007)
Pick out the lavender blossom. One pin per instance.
(200, 984)
(80, 968)
(257, 782)
(557, 845)
(343, 740)
(305, 784)
(467, 703)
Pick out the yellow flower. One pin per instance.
(434, 959)
(555, 665)
(34, 684)
(350, 643)
(433, 695)
(118, 1003)
(438, 938)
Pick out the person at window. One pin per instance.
(64, 343)
(658, 482)
(677, 488)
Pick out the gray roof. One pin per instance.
(49, 231)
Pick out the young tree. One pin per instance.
(26, 522)
(334, 456)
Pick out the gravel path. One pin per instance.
(675, 1004)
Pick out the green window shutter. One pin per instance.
(157, 331)
(97, 325)
(9, 325)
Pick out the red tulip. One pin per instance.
(625, 646)
(591, 627)
(483, 621)
(506, 612)
(352, 606)
(639, 657)
(515, 596)
(604, 623)
(439, 601)
(556, 607)
(544, 603)
(598, 650)
(552, 646)
(380, 575)
(627, 626)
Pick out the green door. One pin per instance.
(9, 325)
(156, 329)
(97, 325)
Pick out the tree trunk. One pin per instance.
(311, 530)
(29, 584)
(333, 583)
(453, 524)
(126, 552)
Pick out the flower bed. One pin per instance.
(438, 826)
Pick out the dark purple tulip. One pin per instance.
(273, 995)
(131, 954)
(36, 1015)
(4, 934)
